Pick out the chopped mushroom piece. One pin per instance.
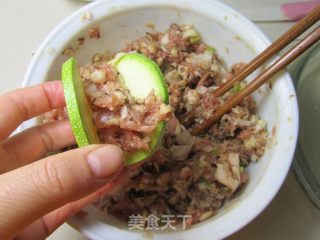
(225, 176)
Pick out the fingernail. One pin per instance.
(105, 161)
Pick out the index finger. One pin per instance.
(26, 103)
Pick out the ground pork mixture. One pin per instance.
(187, 175)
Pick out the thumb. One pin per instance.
(28, 193)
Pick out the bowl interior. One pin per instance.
(236, 40)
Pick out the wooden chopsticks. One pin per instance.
(274, 48)
(282, 62)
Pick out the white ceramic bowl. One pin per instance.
(236, 39)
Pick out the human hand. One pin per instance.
(37, 196)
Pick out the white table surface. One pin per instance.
(25, 23)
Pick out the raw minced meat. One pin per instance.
(191, 175)
(187, 175)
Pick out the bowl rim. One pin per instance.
(235, 220)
